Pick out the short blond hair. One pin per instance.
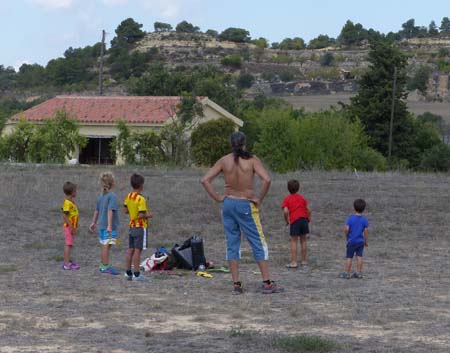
(107, 181)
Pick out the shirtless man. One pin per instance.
(240, 207)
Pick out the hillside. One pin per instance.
(297, 72)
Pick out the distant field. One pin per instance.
(316, 103)
(401, 306)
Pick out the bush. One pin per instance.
(234, 61)
(436, 159)
(210, 141)
(368, 159)
(245, 80)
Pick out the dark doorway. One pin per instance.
(98, 151)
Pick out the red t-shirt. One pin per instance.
(297, 206)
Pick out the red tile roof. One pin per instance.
(103, 109)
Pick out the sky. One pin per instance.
(36, 31)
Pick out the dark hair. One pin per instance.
(293, 186)
(69, 188)
(359, 205)
(237, 141)
(136, 180)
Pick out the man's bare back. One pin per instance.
(239, 178)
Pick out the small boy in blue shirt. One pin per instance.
(357, 233)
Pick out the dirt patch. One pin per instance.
(400, 306)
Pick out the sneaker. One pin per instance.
(304, 268)
(238, 289)
(128, 278)
(140, 278)
(74, 266)
(271, 288)
(65, 267)
(344, 275)
(111, 270)
(357, 275)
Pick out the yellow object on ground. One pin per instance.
(204, 274)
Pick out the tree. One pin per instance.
(31, 75)
(129, 31)
(292, 44)
(210, 141)
(162, 27)
(432, 29)
(186, 27)
(322, 41)
(238, 35)
(373, 101)
(352, 34)
(410, 30)
(7, 77)
(327, 59)
(212, 33)
(445, 26)
(420, 79)
(260, 42)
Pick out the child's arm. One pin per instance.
(110, 221)
(309, 214)
(366, 237)
(286, 215)
(68, 222)
(93, 226)
(145, 214)
(346, 231)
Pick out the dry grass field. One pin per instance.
(402, 304)
(316, 103)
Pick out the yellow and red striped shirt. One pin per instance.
(136, 203)
(71, 210)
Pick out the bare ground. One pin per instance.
(400, 306)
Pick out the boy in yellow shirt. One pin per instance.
(69, 211)
(136, 207)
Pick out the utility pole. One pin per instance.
(391, 124)
(100, 75)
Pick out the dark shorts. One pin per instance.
(353, 249)
(138, 238)
(299, 227)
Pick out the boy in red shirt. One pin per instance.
(297, 214)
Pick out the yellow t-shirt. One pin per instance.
(71, 210)
(136, 203)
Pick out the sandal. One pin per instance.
(291, 266)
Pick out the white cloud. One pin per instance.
(167, 8)
(114, 2)
(53, 4)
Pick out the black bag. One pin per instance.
(191, 254)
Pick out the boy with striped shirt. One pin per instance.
(136, 207)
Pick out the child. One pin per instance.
(108, 221)
(69, 211)
(136, 207)
(357, 233)
(297, 214)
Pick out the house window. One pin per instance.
(98, 151)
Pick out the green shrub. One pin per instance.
(234, 61)
(367, 159)
(306, 344)
(210, 141)
(436, 158)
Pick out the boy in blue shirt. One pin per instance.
(357, 233)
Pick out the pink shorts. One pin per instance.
(68, 236)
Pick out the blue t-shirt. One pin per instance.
(107, 201)
(357, 224)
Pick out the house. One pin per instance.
(98, 115)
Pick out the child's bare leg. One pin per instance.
(104, 254)
(348, 265)
(359, 263)
(303, 248)
(67, 249)
(294, 241)
(136, 259)
(264, 268)
(128, 258)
